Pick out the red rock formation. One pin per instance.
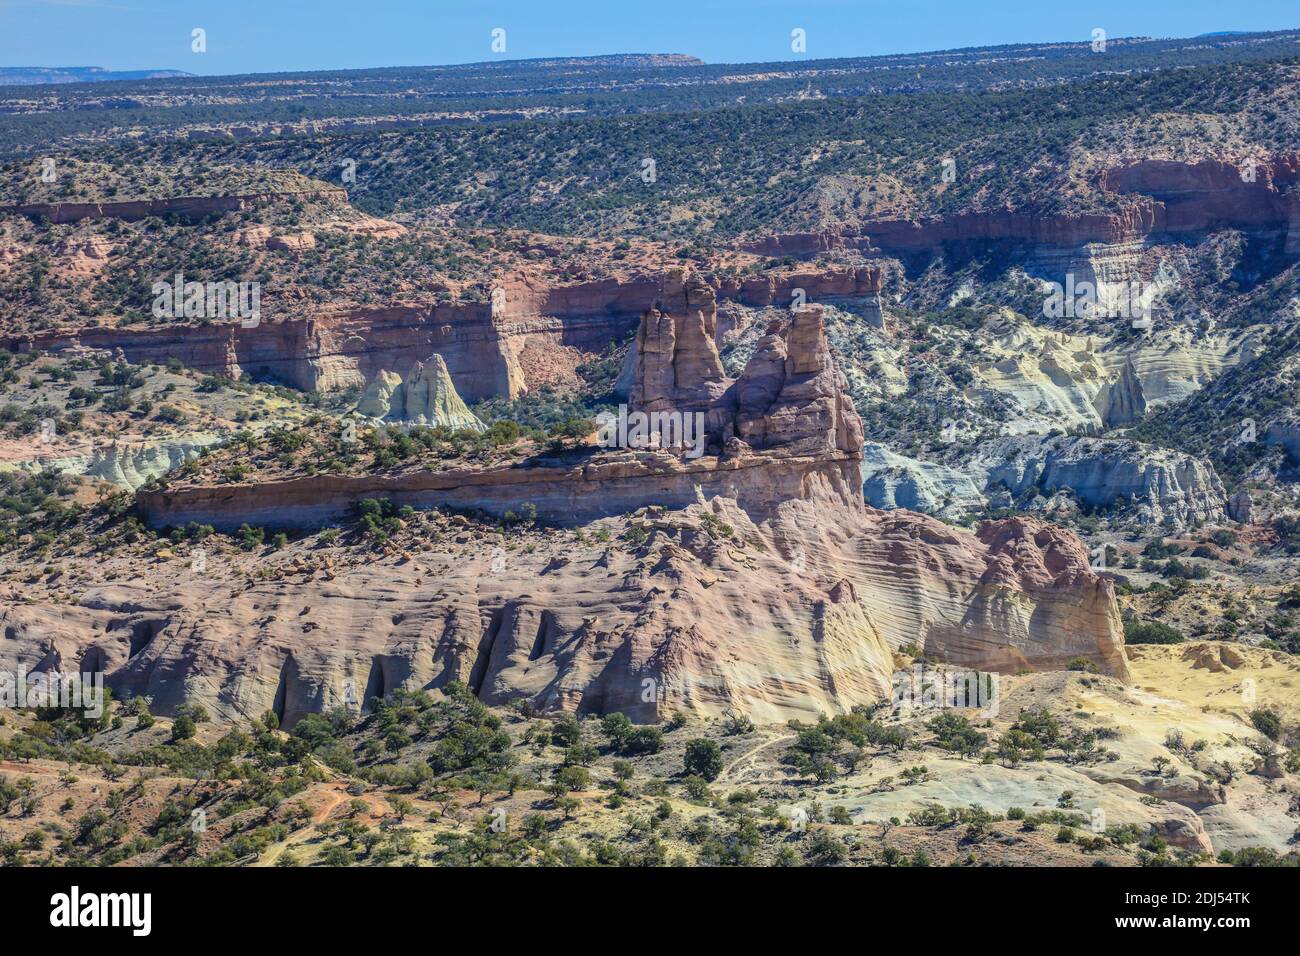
(1163, 197)
(904, 235)
(333, 350)
(1032, 556)
(791, 398)
(779, 289)
(800, 433)
(676, 352)
(1200, 197)
(793, 612)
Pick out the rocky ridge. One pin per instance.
(1157, 485)
(1151, 196)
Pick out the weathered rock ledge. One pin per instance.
(1150, 197)
(351, 346)
(600, 486)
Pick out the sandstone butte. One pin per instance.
(765, 586)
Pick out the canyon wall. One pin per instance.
(785, 428)
(1163, 197)
(481, 346)
(1211, 194)
(1160, 485)
(764, 586)
(928, 233)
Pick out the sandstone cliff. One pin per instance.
(677, 367)
(762, 583)
(425, 397)
(791, 616)
(785, 429)
(481, 348)
(1149, 196)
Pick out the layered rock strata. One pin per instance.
(479, 343)
(126, 464)
(763, 584)
(426, 396)
(1159, 485)
(785, 426)
(1160, 197)
(691, 622)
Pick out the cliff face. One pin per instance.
(481, 349)
(689, 622)
(1199, 197)
(673, 624)
(784, 430)
(337, 350)
(906, 235)
(568, 490)
(1161, 485)
(1163, 197)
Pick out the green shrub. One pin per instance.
(1268, 722)
(703, 758)
(1150, 632)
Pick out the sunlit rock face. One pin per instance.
(426, 396)
(760, 584)
(789, 616)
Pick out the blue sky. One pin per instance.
(274, 35)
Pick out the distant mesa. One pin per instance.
(36, 75)
(614, 59)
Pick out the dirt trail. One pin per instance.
(272, 856)
(726, 771)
